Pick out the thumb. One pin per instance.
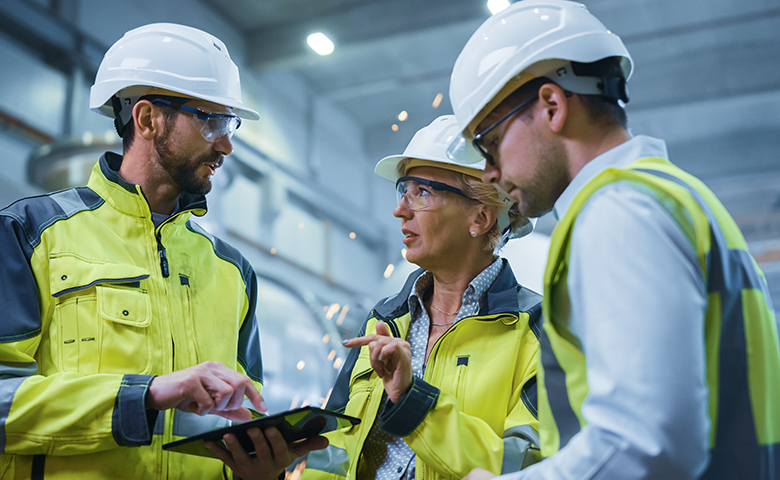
(381, 329)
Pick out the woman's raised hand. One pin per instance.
(391, 359)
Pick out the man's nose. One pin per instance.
(491, 174)
(224, 145)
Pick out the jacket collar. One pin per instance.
(128, 197)
(500, 298)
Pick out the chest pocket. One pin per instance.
(101, 317)
(360, 385)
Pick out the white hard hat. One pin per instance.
(171, 57)
(430, 144)
(428, 147)
(529, 39)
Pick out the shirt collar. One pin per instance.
(638, 147)
(472, 295)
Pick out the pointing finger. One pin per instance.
(381, 329)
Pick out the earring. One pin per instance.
(473, 233)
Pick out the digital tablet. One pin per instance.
(294, 425)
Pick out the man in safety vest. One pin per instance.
(125, 325)
(660, 354)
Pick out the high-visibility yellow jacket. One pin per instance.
(740, 332)
(96, 301)
(476, 406)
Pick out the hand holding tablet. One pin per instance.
(293, 425)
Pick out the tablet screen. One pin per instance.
(294, 425)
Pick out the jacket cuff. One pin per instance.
(131, 422)
(400, 419)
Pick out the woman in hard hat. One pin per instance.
(443, 374)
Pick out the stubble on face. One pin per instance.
(548, 179)
(182, 168)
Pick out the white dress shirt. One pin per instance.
(637, 307)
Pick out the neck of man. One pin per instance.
(136, 168)
(591, 141)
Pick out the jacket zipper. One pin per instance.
(163, 256)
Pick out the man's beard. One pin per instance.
(183, 170)
(549, 180)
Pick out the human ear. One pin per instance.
(148, 120)
(484, 219)
(555, 104)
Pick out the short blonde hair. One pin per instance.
(475, 189)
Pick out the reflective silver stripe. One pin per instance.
(333, 460)
(159, 423)
(770, 461)
(527, 299)
(557, 394)
(18, 369)
(516, 441)
(8, 387)
(728, 273)
(69, 201)
(187, 424)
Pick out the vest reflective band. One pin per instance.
(741, 333)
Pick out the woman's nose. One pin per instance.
(402, 210)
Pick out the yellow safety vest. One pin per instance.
(741, 335)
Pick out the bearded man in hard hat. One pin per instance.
(126, 325)
(660, 354)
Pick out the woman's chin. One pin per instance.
(413, 257)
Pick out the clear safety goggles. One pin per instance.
(459, 150)
(212, 126)
(421, 193)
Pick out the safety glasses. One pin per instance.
(480, 137)
(420, 193)
(212, 126)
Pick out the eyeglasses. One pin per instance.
(421, 193)
(212, 126)
(478, 138)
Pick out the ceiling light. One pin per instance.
(394, 128)
(437, 100)
(389, 270)
(332, 310)
(495, 6)
(343, 314)
(403, 116)
(320, 43)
